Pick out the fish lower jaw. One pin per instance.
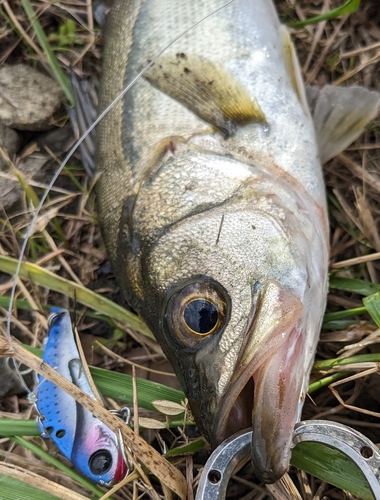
(242, 416)
(269, 403)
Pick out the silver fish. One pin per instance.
(212, 205)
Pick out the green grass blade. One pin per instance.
(14, 489)
(192, 447)
(344, 314)
(45, 278)
(19, 303)
(349, 7)
(10, 427)
(119, 386)
(340, 324)
(331, 466)
(372, 304)
(60, 76)
(325, 381)
(24, 305)
(25, 443)
(26, 187)
(360, 287)
(18, 427)
(327, 364)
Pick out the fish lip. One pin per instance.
(277, 331)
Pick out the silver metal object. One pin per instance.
(352, 443)
(222, 462)
(124, 413)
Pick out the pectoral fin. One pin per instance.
(206, 89)
(340, 116)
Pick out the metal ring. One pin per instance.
(352, 443)
(222, 462)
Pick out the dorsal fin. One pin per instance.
(206, 89)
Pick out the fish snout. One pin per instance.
(270, 458)
(271, 476)
(268, 383)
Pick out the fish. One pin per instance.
(82, 438)
(212, 205)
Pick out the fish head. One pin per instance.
(218, 257)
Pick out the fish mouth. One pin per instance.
(265, 390)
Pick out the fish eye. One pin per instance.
(201, 316)
(100, 462)
(196, 311)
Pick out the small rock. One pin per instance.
(28, 98)
(11, 194)
(33, 167)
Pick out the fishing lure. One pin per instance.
(82, 438)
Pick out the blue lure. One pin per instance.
(82, 438)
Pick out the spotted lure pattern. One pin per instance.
(82, 438)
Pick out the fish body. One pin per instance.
(82, 438)
(212, 207)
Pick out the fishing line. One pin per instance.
(67, 158)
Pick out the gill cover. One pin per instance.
(82, 438)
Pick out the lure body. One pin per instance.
(82, 438)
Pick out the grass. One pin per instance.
(342, 50)
(349, 7)
(56, 69)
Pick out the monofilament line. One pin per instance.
(75, 147)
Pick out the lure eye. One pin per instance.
(196, 311)
(100, 462)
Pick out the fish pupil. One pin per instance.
(100, 462)
(201, 316)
